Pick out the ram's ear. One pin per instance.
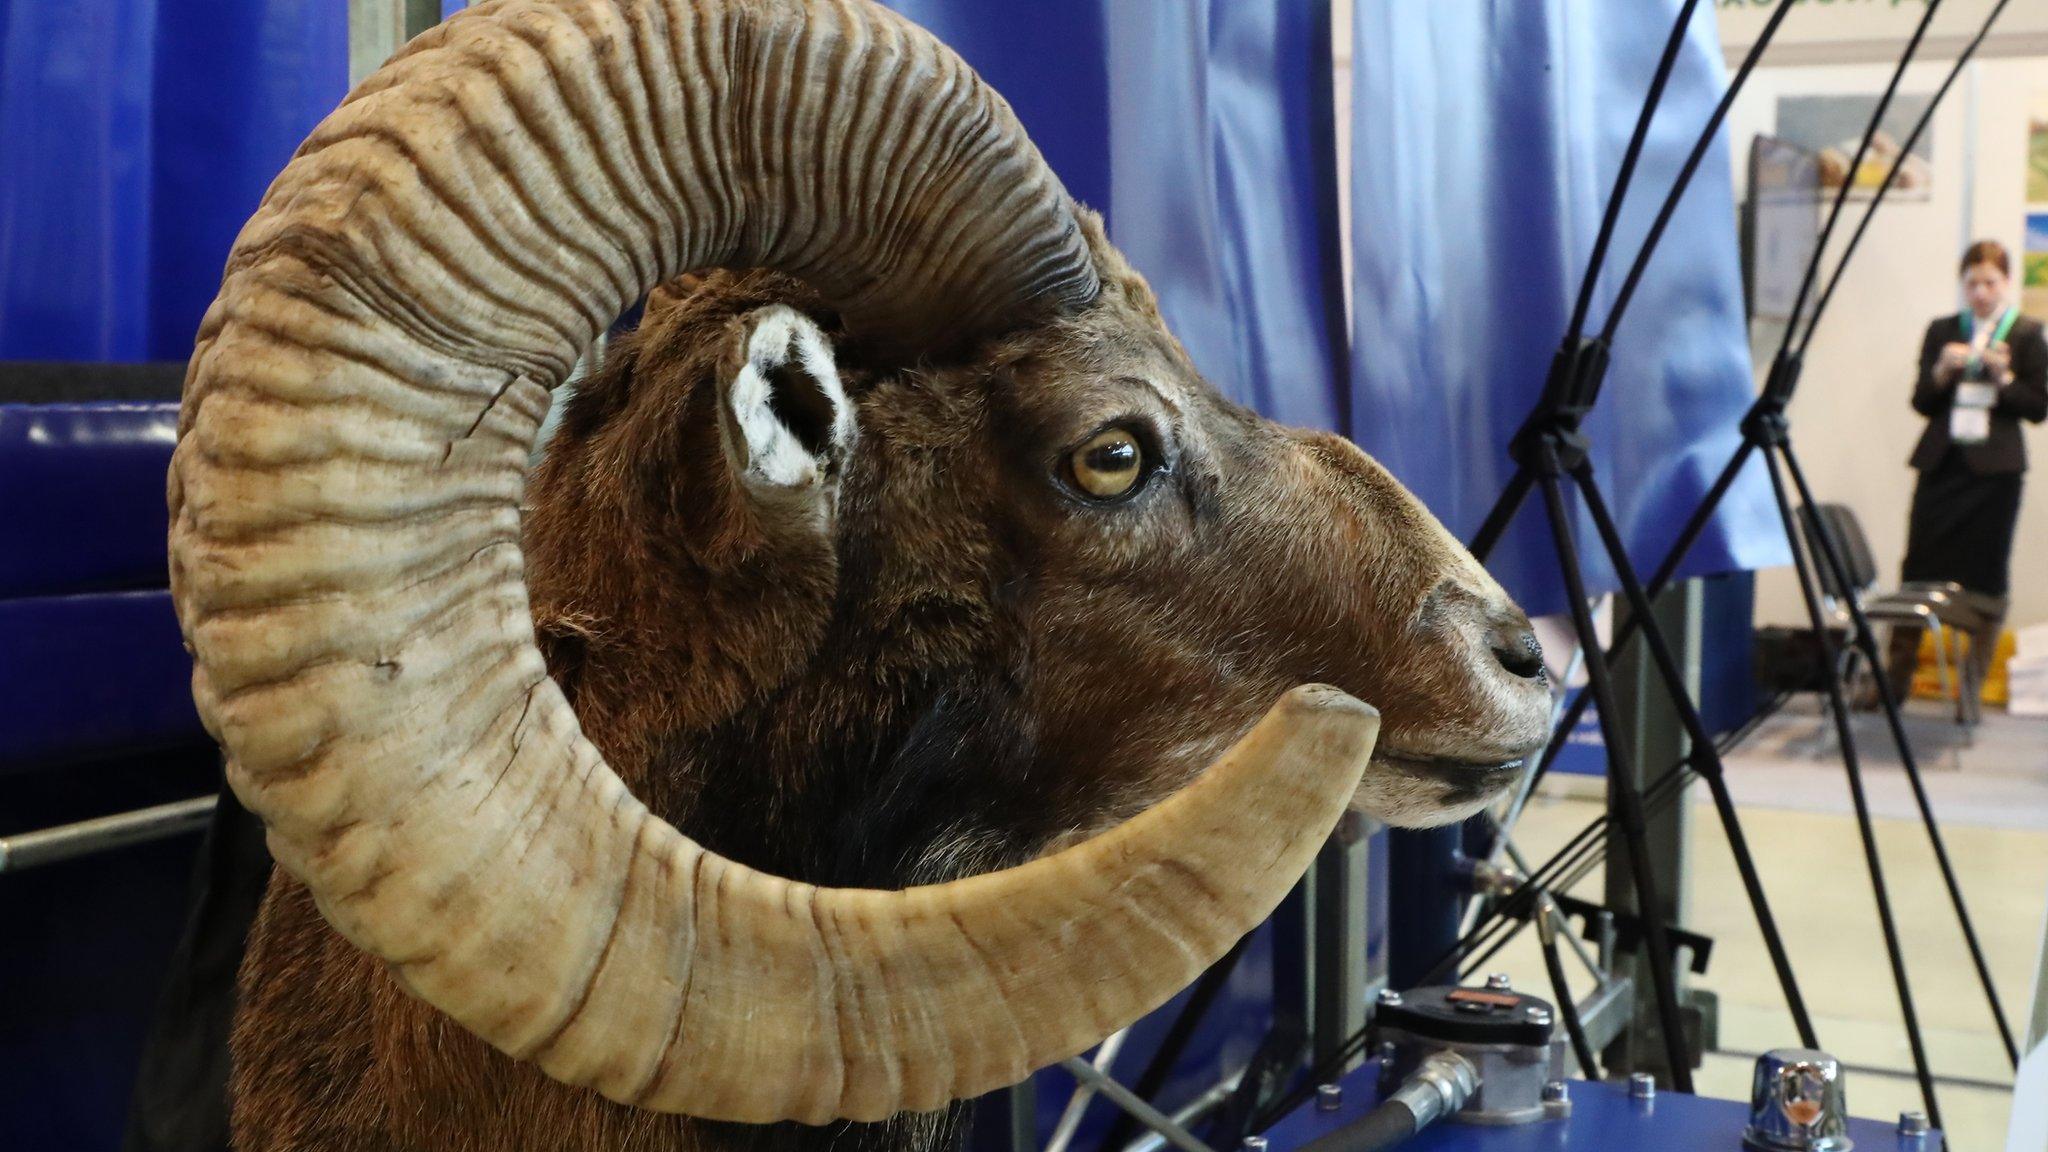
(669, 294)
(788, 423)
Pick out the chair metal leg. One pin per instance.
(1973, 673)
(1940, 635)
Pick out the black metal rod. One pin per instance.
(1820, 242)
(1562, 874)
(1704, 757)
(1619, 193)
(1659, 580)
(1587, 848)
(1685, 174)
(1621, 782)
(1846, 736)
(1512, 913)
(1568, 1008)
(1865, 637)
(1892, 174)
(1502, 513)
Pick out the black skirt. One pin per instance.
(1962, 526)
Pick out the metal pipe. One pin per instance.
(1547, 908)
(1193, 1113)
(1077, 1104)
(104, 833)
(1129, 1101)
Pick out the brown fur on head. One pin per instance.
(936, 630)
(909, 652)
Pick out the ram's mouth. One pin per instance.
(1468, 780)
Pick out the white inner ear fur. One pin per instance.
(774, 455)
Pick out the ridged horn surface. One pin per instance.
(345, 560)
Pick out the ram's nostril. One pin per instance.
(1519, 654)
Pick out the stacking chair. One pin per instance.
(1935, 606)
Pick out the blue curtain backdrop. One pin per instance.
(135, 137)
(1485, 138)
(1201, 130)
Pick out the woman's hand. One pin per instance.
(1998, 362)
(1955, 356)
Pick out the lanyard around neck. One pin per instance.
(1998, 332)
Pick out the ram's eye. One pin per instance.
(1108, 464)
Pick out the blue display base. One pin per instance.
(1603, 1119)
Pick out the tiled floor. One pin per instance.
(1992, 799)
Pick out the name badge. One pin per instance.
(1969, 421)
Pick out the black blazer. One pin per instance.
(2026, 398)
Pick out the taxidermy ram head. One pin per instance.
(926, 546)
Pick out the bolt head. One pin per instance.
(1642, 1086)
(1538, 1015)
(1499, 982)
(1254, 1144)
(1329, 1097)
(1914, 1124)
(1389, 998)
(1556, 1092)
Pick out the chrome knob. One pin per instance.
(1797, 1104)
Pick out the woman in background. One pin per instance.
(1982, 371)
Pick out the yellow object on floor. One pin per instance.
(1927, 679)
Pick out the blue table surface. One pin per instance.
(1603, 1119)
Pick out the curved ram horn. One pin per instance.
(345, 557)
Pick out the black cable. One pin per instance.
(1820, 242)
(1387, 1125)
(1892, 174)
(1567, 1007)
(1685, 173)
(1619, 193)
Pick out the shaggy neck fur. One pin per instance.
(781, 693)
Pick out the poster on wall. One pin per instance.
(1781, 222)
(1833, 126)
(2034, 284)
(2034, 276)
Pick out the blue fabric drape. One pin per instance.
(1202, 132)
(1485, 139)
(135, 137)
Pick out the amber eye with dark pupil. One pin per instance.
(1109, 464)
